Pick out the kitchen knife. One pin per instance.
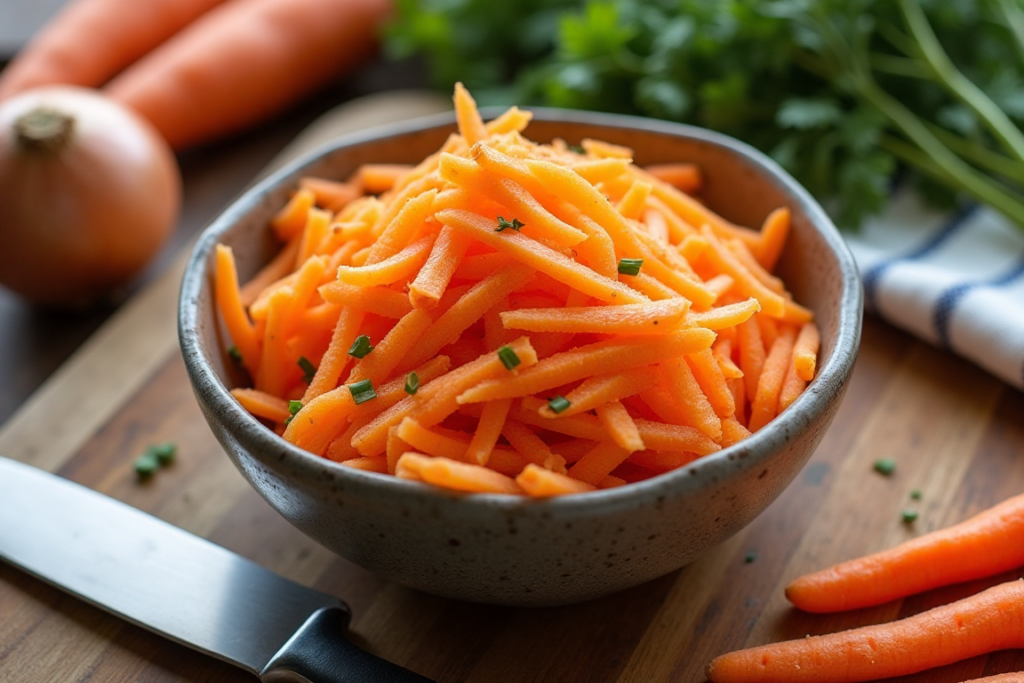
(177, 585)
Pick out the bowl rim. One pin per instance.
(826, 387)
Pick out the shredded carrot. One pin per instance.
(532, 447)
(684, 177)
(541, 483)
(621, 428)
(805, 351)
(773, 237)
(433, 278)
(229, 301)
(451, 474)
(331, 194)
(658, 317)
(766, 401)
(601, 389)
(290, 220)
(262, 404)
(379, 178)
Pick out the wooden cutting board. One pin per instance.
(956, 433)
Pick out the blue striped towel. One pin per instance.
(956, 281)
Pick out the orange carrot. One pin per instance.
(379, 178)
(712, 382)
(752, 355)
(792, 387)
(192, 90)
(320, 420)
(90, 41)
(718, 257)
(989, 621)
(600, 148)
(290, 220)
(229, 302)
(331, 194)
(379, 300)
(451, 474)
(600, 170)
(620, 426)
(601, 389)
(471, 126)
(514, 119)
(541, 483)
(336, 357)
(805, 351)
(389, 270)
(632, 205)
(532, 447)
(658, 317)
(271, 376)
(773, 238)
(397, 232)
(262, 404)
(488, 430)
(599, 462)
(732, 431)
(987, 544)
(684, 177)
(389, 351)
(769, 331)
(722, 350)
(766, 401)
(570, 366)
(687, 397)
(394, 391)
(429, 285)
(378, 465)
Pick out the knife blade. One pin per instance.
(178, 585)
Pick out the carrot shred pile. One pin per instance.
(537, 319)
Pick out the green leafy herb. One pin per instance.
(845, 94)
(558, 404)
(146, 465)
(308, 369)
(164, 452)
(293, 407)
(750, 558)
(577, 149)
(360, 347)
(234, 354)
(885, 466)
(910, 516)
(630, 266)
(505, 225)
(362, 391)
(915, 495)
(412, 383)
(508, 357)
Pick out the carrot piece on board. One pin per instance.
(378, 300)
(436, 400)
(541, 483)
(538, 256)
(599, 462)
(684, 177)
(467, 310)
(399, 230)
(805, 351)
(331, 194)
(570, 366)
(389, 351)
(229, 302)
(765, 405)
(280, 266)
(989, 621)
(446, 254)
(532, 447)
(773, 238)
(514, 119)
(689, 399)
(732, 431)
(752, 355)
(984, 545)
(658, 317)
(262, 404)
(621, 428)
(709, 376)
(336, 357)
(394, 268)
(471, 126)
(488, 430)
(379, 178)
(90, 41)
(192, 89)
(601, 389)
(451, 474)
(271, 377)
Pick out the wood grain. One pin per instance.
(956, 433)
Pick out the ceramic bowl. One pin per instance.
(503, 549)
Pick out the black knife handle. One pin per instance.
(320, 652)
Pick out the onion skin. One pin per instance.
(82, 210)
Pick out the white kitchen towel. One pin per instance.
(956, 281)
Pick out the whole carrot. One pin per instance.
(989, 621)
(244, 61)
(90, 41)
(985, 545)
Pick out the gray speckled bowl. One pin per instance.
(502, 549)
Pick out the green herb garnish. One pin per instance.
(508, 357)
(505, 225)
(578, 149)
(558, 404)
(147, 464)
(293, 407)
(630, 266)
(234, 354)
(362, 391)
(910, 516)
(308, 369)
(412, 383)
(915, 495)
(360, 347)
(750, 558)
(885, 466)
(164, 452)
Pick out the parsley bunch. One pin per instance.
(845, 94)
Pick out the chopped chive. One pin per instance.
(293, 407)
(164, 452)
(146, 464)
(308, 368)
(362, 391)
(558, 404)
(577, 149)
(412, 383)
(750, 558)
(630, 266)
(910, 516)
(234, 354)
(508, 357)
(360, 347)
(915, 495)
(505, 225)
(886, 466)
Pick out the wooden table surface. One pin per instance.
(956, 433)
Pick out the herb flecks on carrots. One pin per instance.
(556, 286)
